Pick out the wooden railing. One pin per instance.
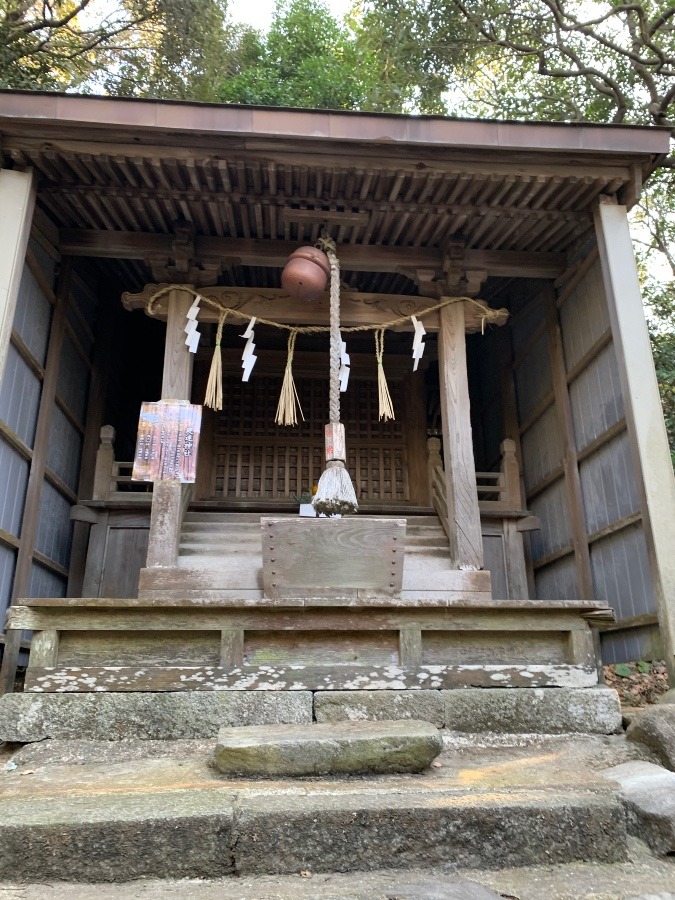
(498, 492)
(112, 477)
(503, 519)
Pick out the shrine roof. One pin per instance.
(400, 194)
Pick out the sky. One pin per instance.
(258, 13)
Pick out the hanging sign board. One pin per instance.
(167, 442)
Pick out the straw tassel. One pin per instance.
(288, 399)
(214, 386)
(386, 406)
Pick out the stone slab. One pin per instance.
(341, 706)
(533, 710)
(113, 838)
(648, 792)
(655, 727)
(287, 834)
(167, 716)
(340, 748)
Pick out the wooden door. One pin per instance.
(252, 458)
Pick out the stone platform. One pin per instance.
(115, 811)
(178, 715)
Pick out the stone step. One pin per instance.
(333, 748)
(127, 811)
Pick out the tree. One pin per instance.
(561, 60)
(174, 49)
(306, 60)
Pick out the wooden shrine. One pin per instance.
(510, 528)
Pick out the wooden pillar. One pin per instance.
(169, 498)
(644, 413)
(466, 542)
(17, 202)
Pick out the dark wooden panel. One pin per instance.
(505, 647)
(139, 648)
(311, 648)
(126, 552)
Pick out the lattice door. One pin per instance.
(254, 458)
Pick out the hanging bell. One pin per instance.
(306, 273)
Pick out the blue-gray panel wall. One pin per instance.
(609, 476)
(43, 583)
(54, 528)
(557, 581)
(550, 507)
(533, 379)
(621, 573)
(595, 398)
(33, 316)
(20, 397)
(72, 384)
(542, 448)
(14, 469)
(65, 449)
(608, 484)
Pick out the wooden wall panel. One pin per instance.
(20, 396)
(33, 315)
(557, 580)
(584, 317)
(43, 582)
(542, 448)
(14, 469)
(65, 449)
(533, 379)
(621, 573)
(608, 484)
(550, 507)
(595, 398)
(607, 473)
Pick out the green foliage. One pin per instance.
(643, 667)
(306, 60)
(623, 670)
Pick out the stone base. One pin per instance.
(172, 716)
(341, 748)
(501, 710)
(200, 714)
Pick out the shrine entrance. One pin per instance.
(251, 458)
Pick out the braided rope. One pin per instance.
(488, 314)
(335, 339)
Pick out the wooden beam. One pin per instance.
(644, 413)
(278, 306)
(17, 202)
(353, 257)
(466, 543)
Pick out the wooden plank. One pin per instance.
(461, 618)
(466, 545)
(644, 413)
(410, 646)
(231, 647)
(44, 649)
(332, 557)
(643, 621)
(304, 678)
